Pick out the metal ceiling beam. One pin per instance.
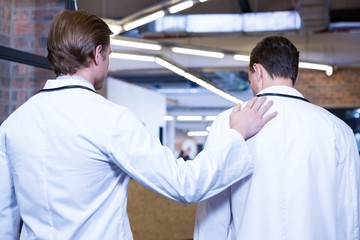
(345, 15)
(244, 6)
(14, 55)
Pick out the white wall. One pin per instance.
(148, 106)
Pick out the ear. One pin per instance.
(258, 71)
(259, 75)
(98, 55)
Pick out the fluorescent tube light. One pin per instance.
(132, 57)
(240, 57)
(135, 44)
(203, 0)
(210, 118)
(189, 118)
(197, 133)
(169, 118)
(196, 80)
(116, 29)
(198, 52)
(211, 88)
(170, 66)
(322, 67)
(232, 22)
(144, 20)
(181, 6)
(113, 25)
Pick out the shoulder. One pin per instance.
(224, 116)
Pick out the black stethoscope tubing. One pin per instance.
(67, 87)
(283, 95)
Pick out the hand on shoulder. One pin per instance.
(251, 118)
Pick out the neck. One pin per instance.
(278, 82)
(85, 75)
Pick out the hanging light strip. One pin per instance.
(178, 70)
(170, 66)
(135, 57)
(322, 67)
(153, 13)
(181, 6)
(144, 20)
(197, 133)
(135, 44)
(189, 118)
(239, 57)
(197, 52)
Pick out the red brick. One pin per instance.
(21, 43)
(23, 15)
(37, 29)
(4, 96)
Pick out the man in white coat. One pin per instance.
(305, 184)
(67, 154)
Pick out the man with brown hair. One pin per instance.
(66, 171)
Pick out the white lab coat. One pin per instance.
(66, 158)
(305, 184)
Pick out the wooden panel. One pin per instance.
(154, 217)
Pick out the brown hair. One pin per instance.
(72, 40)
(278, 56)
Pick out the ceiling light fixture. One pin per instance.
(144, 20)
(178, 70)
(181, 6)
(189, 118)
(211, 88)
(322, 67)
(197, 133)
(153, 13)
(169, 118)
(197, 52)
(135, 44)
(210, 118)
(241, 57)
(114, 26)
(170, 66)
(135, 57)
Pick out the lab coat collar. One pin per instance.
(283, 90)
(67, 80)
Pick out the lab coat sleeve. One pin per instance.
(348, 209)
(215, 211)
(9, 214)
(213, 217)
(144, 159)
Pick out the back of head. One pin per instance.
(72, 40)
(278, 56)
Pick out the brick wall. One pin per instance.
(341, 90)
(5, 33)
(25, 27)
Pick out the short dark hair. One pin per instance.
(72, 40)
(278, 56)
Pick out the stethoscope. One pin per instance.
(283, 95)
(92, 90)
(67, 87)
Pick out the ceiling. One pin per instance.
(329, 34)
